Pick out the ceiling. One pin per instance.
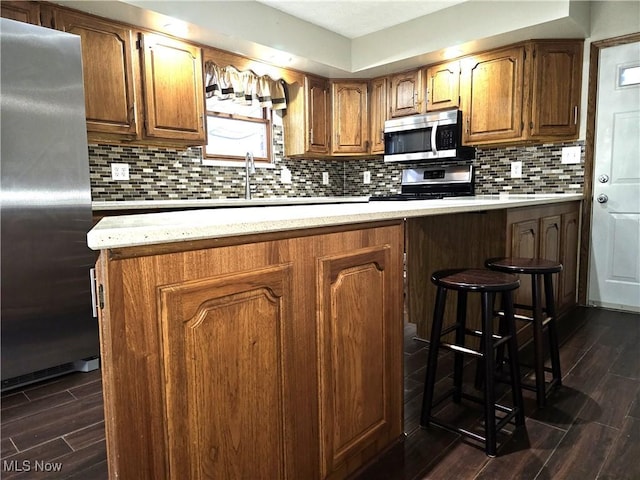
(355, 18)
(351, 38)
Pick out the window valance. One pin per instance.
(227, 83)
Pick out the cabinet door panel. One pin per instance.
(492, 98)
(21, 11)
(550, 235)
(318, 115)
(524, 244)
(406, 93)
(349, 107)
(357, 378)
(205, 324)
(556, 88)
(569, 258)
(108, 73)
(173, 89)
(378, 114)
(443, 86)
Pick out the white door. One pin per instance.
(614, 268)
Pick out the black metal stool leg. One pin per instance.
(512, 347)
(432, 361)
(489, 366)
(538, 338)
(458, 357)
(554, 350)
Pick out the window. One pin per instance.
(233, 129)
(240, 109)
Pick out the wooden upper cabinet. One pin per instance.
(443, 85)
(27, 12)
(492, 98)
(555, 88)
(350, 127)
(406, 93)
(377, 114)
(173, 89)
(108, 73)
(318, 115)
(522, 94)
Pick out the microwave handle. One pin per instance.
(433, 138)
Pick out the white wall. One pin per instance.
(609, 19)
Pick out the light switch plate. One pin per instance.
(325, 178)
(366, 177)
(571, 154)
(119, 171)
(285, 175)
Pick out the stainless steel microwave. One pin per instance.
(432, 136)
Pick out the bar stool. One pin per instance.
(487, 283)
(543, 318)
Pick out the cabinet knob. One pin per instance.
(602, 198)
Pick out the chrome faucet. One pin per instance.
(249, 168)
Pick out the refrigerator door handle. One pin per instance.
(94, 300)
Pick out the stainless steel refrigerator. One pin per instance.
(47, 320)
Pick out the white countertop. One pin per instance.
(167, 227)
(218, 203)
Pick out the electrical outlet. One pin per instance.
(366, 177)
(571, 154)
(516, 169)
(325, 178)
(119, 171)
(285, 175)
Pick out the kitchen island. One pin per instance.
(266, 342)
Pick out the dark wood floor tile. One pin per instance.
(14, 466)
(591, 368)
(524, 455)
(87, 389)
(628, 363)
(461, 461)
(586, 337)
(412, 388)
(39, 405)
(54, 422)
(622, 463)
(634, 411)
(563, 405)
(411, 345)
(12, 399)
(72, 464)
(416, 360)
(581, 453)
(99, 471)
(408, 459)
(59, 384)
(7, 448)
(611, 401)
(86, 436)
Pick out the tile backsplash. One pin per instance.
(165, 174)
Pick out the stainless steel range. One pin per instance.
(433, 182)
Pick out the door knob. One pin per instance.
(602, 198)
(603, 178)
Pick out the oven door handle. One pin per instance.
(433, 138)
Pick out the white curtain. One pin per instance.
(227, 83)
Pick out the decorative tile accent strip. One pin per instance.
(167, 174)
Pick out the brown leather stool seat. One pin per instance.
(487, 283)
(543, 317)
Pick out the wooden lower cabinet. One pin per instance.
(275, 359)
(468, 239)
